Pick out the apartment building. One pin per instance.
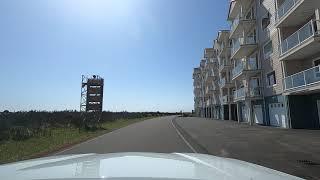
(197, 91)
(206, 88)
(298, 24)
(223, 46)
(268, 64)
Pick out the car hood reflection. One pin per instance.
(138, 166)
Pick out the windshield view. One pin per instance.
(160, 89)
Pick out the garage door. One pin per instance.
(277, 114)
(244, 113)
(258, 114)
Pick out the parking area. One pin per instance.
(294, 151)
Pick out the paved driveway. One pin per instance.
(296, 152)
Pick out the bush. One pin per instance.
(20, 133)
(23, 125)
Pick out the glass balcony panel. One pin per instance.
(298, 79)
(238, 69)
(250, 40)
(236, 46)
(240, 92)
(312, 75)
(298, 37)
(252, 64)
(292, 41)
(235, 22)
(285, 7)
(305, 32)
(288, 83)
(255, 91)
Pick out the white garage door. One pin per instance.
(258, 114)
(277, 115)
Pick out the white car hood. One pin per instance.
(138, 166)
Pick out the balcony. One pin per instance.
(242, 24)
(223, 66)
(208, 102)
(305, 81)
(224, 83)
(247, 67)
(209, 90)
(251, 93)
(226, 99)
(236, 6)
(197, 87)
(239, 94)
(216, 100)
(302, 43)
(224, 50)
(210, 63)
(294, 12)
(210, 75)
(243, 47)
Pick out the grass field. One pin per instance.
(11, 151)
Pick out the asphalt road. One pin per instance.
(154, 135)
(293, 151)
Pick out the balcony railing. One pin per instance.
(208, 102)
(255, 91)
(251, 92)
(237, 70)
(222, 82)
(221, 46)
(239, 18)
(248, 64)
(297, 38)
(223, 63)
(210, 73)
(242, 41)
(302, 79)
(286, 7)
(235, 23)
(239, 93)
(226, 99)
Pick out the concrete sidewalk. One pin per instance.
(295, 152)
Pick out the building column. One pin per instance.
(317, 14)
(229, 104)
(238, 111)
(201, 112)
(249, 111)
(230, 113)
(212, 117)
(206, 112)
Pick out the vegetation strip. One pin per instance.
(60, 138)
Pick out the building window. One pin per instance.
(271, 78)
(267, 49)
(265, 21)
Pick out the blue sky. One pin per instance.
(145, 50)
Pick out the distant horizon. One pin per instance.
(145, 51)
